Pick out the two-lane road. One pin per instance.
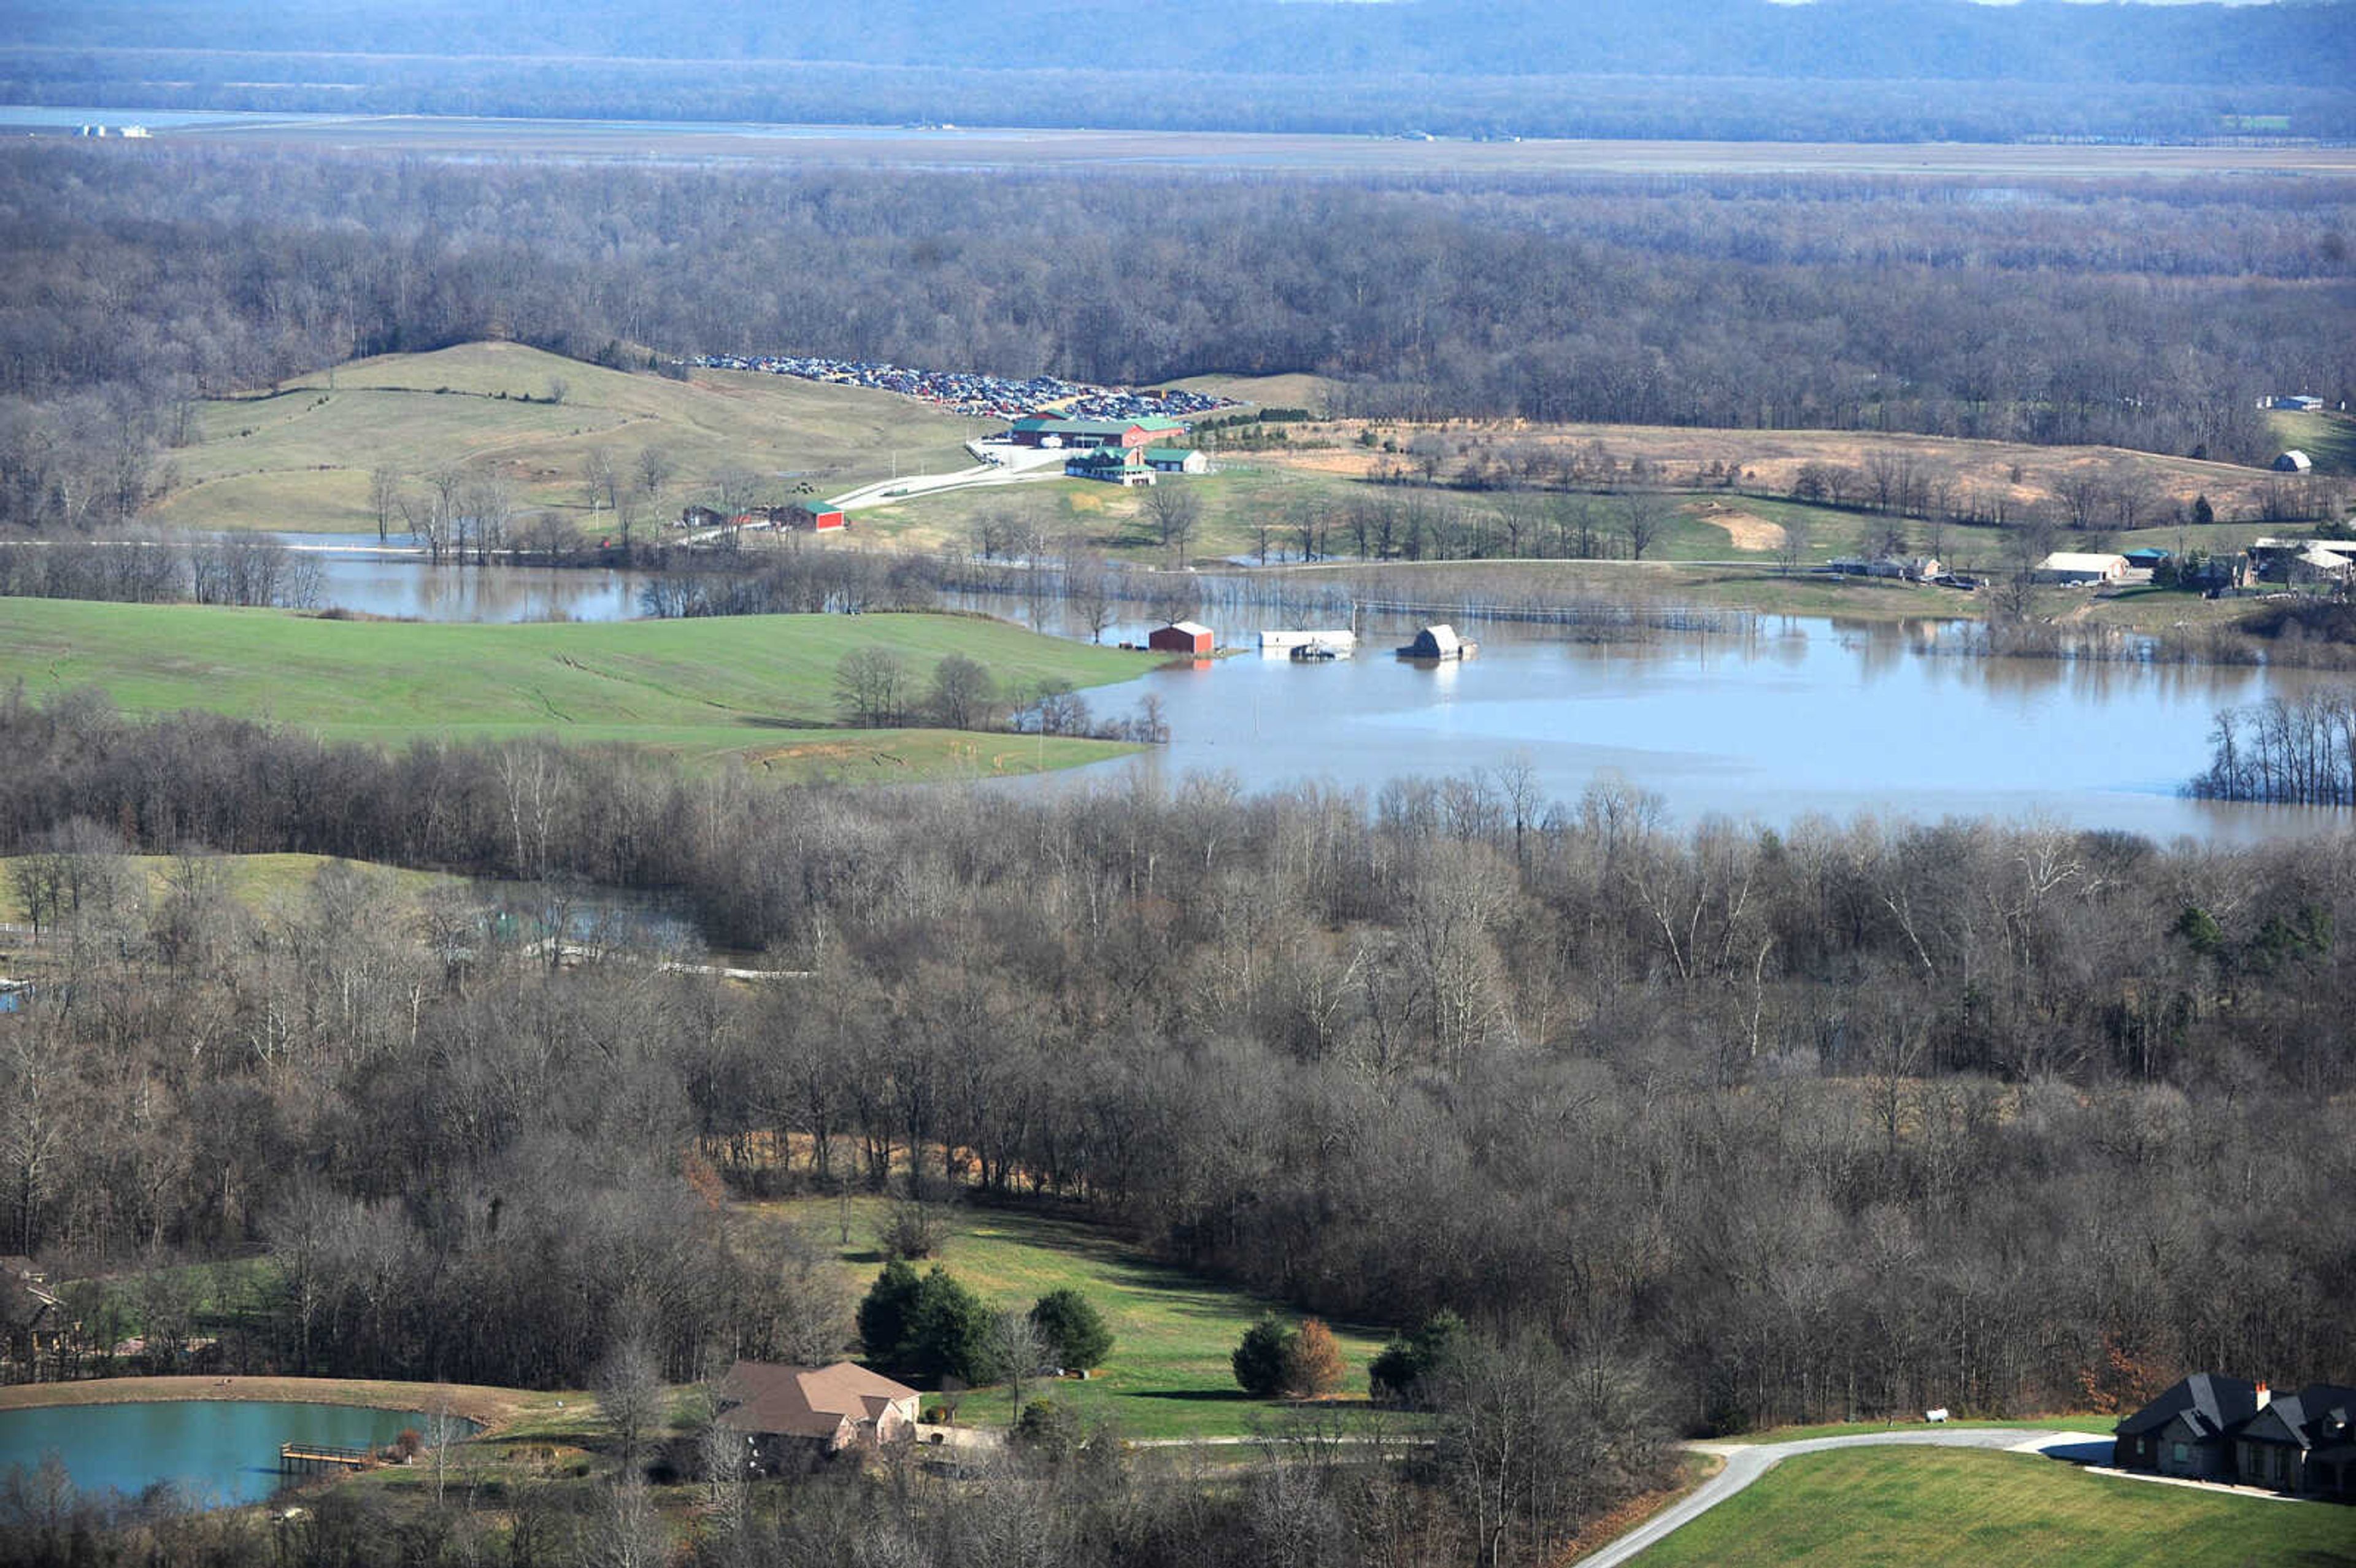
(1746, 1461)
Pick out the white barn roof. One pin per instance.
(2075, 560)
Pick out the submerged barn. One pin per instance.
(1182, 638)
(1439, 642)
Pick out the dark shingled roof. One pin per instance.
(2316, 1416)
(2211, 1405)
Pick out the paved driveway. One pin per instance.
(1746, 1461)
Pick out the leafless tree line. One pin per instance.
(1817, 1122)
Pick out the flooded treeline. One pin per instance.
(236, 569)
(1834, 1121)
(2287, 751)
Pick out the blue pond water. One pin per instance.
(213, 1452)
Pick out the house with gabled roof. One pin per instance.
(2302, 1442)
(779, 1409)
(2188, 1430)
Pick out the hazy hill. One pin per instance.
(300, 458)
(2303, 42)
(1835, 70)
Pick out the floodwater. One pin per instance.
(1790, 719)
(1781, 718)
(212, 1452)
(396, 581)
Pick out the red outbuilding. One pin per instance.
(817, 519)
(1181, 637)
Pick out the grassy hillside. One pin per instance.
(1929, 1506)
(758, 687)
(1168, 1375)
(2328, 439)
(298, 458)
(260, 883)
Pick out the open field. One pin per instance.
(758, 690)
(2020, 474)
(298, 459)
(1172, 1331)
(1032, 148)
(2328, 439)
(260, 883)
(1965, 1507)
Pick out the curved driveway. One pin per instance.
(1746, 1461)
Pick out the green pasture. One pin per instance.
(1168, 1376)
(2328, 439)
(297, 457)
(260, 883)
(1967, 1508)
(758, 689)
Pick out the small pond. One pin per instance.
(214, 1452)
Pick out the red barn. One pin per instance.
(817, 519)
(1181, 637)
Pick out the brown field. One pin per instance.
(1744, 531)
(1771, 460)
(970, 148)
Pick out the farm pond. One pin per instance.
(212, 1452)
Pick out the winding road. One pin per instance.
(1746, 1461)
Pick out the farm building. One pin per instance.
(1122, 465)
(2073, 566)
(1917, 569)
(1044, 430)
(1176, 460)
(1182, 638)
(817, 520)
(2148, 559)
(2294, 461)
(777, 1407)
(1439, 643)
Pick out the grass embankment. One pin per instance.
(1969, 1507)
(298, 459)
(756, 688)
(2088, 1422)
(503, 1412)
(1169, 1374)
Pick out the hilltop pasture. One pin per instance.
(297, 457)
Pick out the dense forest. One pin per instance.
(2146, 314)
(1805, 1123)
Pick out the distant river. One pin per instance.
(213, 1452)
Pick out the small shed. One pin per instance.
(2150, 558)
(1439, 642)
(2294, 461)
(1182, 638)
(817, 519)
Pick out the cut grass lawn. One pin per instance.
(298, 459)
(1168, 1376)
(758, 688)
(1932, 1506)
(2089, 1423)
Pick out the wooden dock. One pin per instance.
(295, 1458)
